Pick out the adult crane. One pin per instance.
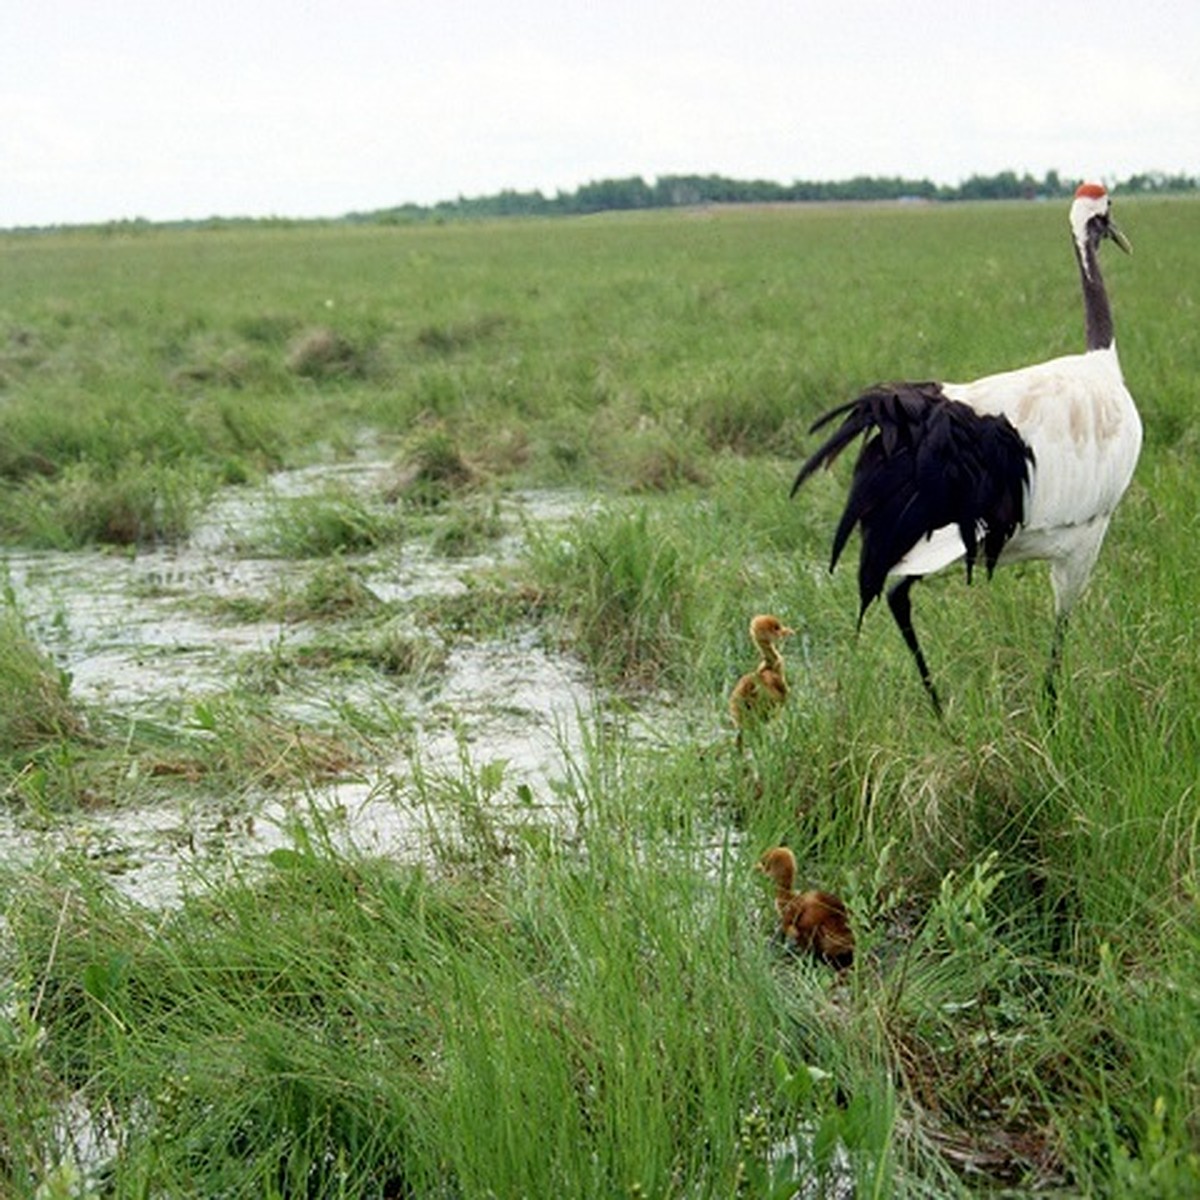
(1026, 464)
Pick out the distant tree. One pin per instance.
(613, 194)
(1159, 181)
(674, 191)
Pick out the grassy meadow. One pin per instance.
(592, 1006)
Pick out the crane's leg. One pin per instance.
(1055, 665)
(901, 606)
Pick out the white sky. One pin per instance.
(162, 109)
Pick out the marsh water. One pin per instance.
(140, 639)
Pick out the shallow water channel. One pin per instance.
(128, 630)
(504, 718)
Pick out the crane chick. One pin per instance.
(812, 922)
(759, 693)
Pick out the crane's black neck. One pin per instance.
(1096, 311)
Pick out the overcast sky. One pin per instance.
(115, 109)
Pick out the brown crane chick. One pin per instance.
(815, 923)
(759, 693)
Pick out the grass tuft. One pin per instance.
(35, 704)
(331, 522)
(322, 353)
(625, 593)
(456, 336)
(432, 470)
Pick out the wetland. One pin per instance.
(370, 818)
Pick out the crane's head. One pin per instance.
(1091, 218)
(779, 864)
(768, 629)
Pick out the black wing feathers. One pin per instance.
(931, 461)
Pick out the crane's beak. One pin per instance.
(1111, 230)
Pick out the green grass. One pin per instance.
(590, 1005)
(325, 524)
(35, 704)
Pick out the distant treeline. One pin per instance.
(676, 191)
(684, 191)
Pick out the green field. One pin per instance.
(589, 1004)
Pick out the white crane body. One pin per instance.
(1027, 464)
(1080, 422)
